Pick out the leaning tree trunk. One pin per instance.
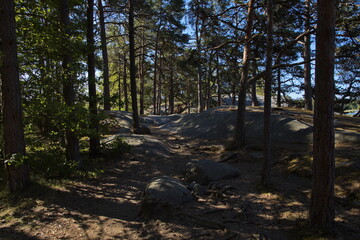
(307, 58)
(135, 115)
(18, 175)
(106, 85)
(72, 141)
(94, 123)
(322, 210)
(240, 121)
(265, 177)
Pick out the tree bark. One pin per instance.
(171, 90)
(106, 84)
(72, 141)
(307, 58)
(156, 70)
(265, 177)
(278, 97)
(94, 123)
(135, 114)
(14, 143)
(208, 83)
(159, 93)
(322, 210)
(126, 94)
(200, 105)
(240, 121)
(218, 80)
(254, 99)
(142, 73)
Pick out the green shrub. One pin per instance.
(116, 147)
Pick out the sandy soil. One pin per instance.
(108, 207)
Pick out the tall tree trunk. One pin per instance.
(233, 93)
(200, 106)
(278, 98)
(171, 90)
(322, 210)
(142, 73)
(156, 70)
(72, 141)
(135, 114)
(106, 85)
(160, 84)
(307, 58)
(126, 94)
(119, 92)
(265, 177)
(240, 121)
(94, 123)
(18, 176)
(218, 80)
(208, 83)
(254, 99)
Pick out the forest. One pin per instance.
(180, 119)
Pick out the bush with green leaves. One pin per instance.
(116, 147)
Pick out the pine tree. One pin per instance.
(14, 144)
(322, 209)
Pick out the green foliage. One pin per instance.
(116, 147)
(16, 160)
(49, 161)
(297, 103)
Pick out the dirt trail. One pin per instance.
(108, 207)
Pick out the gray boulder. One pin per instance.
(206, 171)
(163, 192)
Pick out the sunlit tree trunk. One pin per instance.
(240, 121)
(18, 176)
(107, 105)
(322, 210)
(265, 177)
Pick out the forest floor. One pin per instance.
(108, 207)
